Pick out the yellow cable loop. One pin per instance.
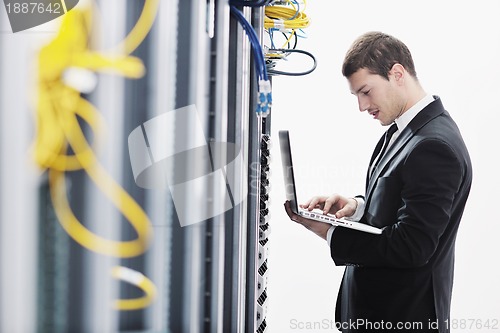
(59, 109)
(140, 281)
(285, 17)
(120, 198)
(141, 28)
(51, 143)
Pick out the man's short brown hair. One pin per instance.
(377, 52)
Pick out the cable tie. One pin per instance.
(279, 24)
(265, 86)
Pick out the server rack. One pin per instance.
(18, 191)
(209, 276)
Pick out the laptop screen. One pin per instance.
(286, 161)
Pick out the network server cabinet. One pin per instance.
(210, 276)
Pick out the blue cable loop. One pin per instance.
(260, 61)
(265, 97)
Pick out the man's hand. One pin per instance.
(319, 228)
(335, 204)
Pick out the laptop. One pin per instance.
(291, 195)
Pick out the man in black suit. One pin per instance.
(416, 190)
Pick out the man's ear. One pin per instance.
(398, 72)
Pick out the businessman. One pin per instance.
(417, 186)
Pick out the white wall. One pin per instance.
(456, 49)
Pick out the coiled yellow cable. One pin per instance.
(141, 28)
(59, 109)
(87, 160)
(140, 281)
(284, 17)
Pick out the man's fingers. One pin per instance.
(341, 213)
(312, 203)
(315, 202)
(347, 210)
(329, 203)
(305, 204)
(288, 210)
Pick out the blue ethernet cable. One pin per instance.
(265, 96)
(248, 3)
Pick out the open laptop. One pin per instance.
(290, 189)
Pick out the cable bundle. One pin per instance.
(260, 63)
(287, 17)
(61, 145)
(283, 17)
(250, 3)
(265, 95)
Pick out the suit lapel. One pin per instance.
(423, 117)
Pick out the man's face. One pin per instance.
(384, 100)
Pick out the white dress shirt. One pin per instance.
(401, 122)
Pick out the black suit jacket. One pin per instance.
(417, 195)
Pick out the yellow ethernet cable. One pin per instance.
(140, 281)
(58, 111)
(141, 28)
(287, 18)
(282, 17)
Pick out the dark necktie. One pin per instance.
(387, 138)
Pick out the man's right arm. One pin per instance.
(358, 214)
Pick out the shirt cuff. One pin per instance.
(360, 210)
(329, 234)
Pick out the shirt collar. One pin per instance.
(406, 117)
